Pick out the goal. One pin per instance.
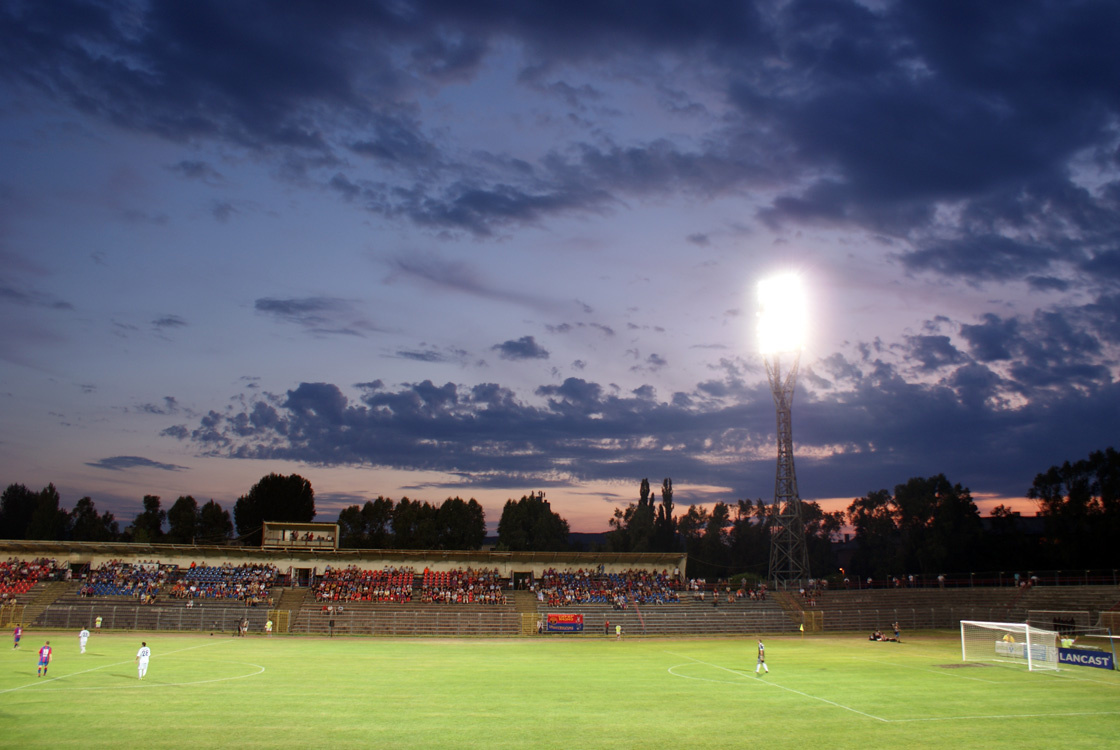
(1009, 642)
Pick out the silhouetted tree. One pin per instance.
(378, 518)
(273, 498)
(529, 524)
(645, 526)
(49, 520)
(1005, 545)
(352, 528)
(460, 524)
(90, 526)
(148, 524)
(214, 524)
(821, 530)
(367, 527)
(749, 538)
(665, 525)
(877, 539)
(691, 527)
(17, 505)
(182, 521)
(407, 522)
(1080, 504)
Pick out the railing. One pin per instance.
(139, 617)
(437, 620)
(986, 578)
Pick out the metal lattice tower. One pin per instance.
(789, 557)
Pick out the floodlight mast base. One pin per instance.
(789, 557)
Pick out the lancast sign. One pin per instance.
(1084, 658)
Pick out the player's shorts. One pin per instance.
(44, 662)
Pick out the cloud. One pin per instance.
(525, 347)
(317, 315)
(32, 298)
(223, 210)
(984, 415)
(195, 169)
(397, 141)
(169, 406)
(852, 113)
(934, 352)
(433, 355)
(168, 321)
(436, 272)
(982, 258)
(126, 463)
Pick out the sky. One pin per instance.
(438, 249)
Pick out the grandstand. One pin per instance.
(443, 593)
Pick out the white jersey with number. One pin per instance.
(84, 634)
(144, 653)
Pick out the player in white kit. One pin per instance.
(142, 657)
(83, 637)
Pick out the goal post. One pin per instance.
(1009, 643)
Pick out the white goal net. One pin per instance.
(1009, 642)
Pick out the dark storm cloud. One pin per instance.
(853, 114)
(982, 258)
(481, 208)
(317, 315)
(993, 339)
(124, 463)
(525, 347)
(933, 352)
(395, 141)
(1051, 349)
(1105, 264)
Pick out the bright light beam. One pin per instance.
(783, 317)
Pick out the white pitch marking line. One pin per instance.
(788, 689)
(879, 718)
(106, 666)
(153, 685)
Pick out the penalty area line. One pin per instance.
(783, 687)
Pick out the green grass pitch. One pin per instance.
(829, 692)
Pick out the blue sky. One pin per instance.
(479, 249)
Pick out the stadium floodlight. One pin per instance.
(782, 328)
(783, 313)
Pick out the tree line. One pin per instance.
(924, 526)
(528, 524)
(25, 514)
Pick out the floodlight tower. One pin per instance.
(781, 330)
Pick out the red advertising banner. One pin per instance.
(564, 623)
